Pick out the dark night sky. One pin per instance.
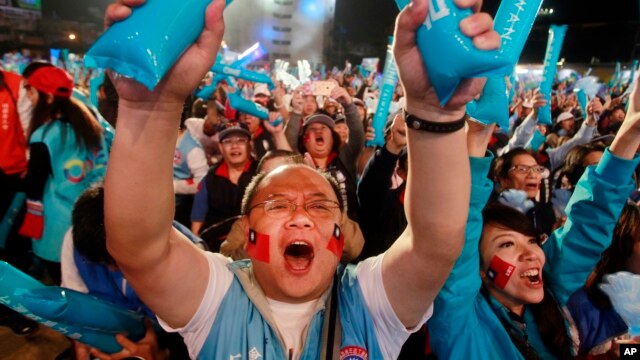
(595, 30)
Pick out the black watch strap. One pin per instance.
(416, 123)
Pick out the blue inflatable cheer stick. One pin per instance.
(582, 100)
(206, 92)
(493, 105)
(242, 73)
(82, 311)
(632, 76)
(537, 139)
(554, 45)
(9, 218)
(248, 107)
(145, 50)
(389, 82)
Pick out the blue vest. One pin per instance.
(73, 169)
(242, 326)
(180, 166)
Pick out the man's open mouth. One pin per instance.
(298, 255)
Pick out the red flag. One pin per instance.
(500, 271)
(336, 243)
(258, 246)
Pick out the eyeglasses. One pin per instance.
(525, 169)
(280, 209)
(234, 141)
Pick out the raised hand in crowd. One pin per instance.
(627, 140)
(397, 136)
(594, 110)
(538, 101)
(297, 102)
(341, 95)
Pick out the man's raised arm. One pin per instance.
(139, 199)
(437, 196)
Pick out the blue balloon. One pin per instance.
(554, 45)
(389, 83)
(450, 56)
(83, 311)
(248, 107)
(493, 105)
(147, 44)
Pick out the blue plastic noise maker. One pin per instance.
(147, 44)
(450, 56)
(493, 105)
(81, 317)
(554, 45)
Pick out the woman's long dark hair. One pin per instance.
(614, 259)
(69, 110)
(547, 313)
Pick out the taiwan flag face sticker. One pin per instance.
(336, 243)
(500, 272)
(258, 246)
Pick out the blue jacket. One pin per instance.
(470, 325)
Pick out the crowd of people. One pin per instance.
(287, 237)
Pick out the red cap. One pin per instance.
(52, 80)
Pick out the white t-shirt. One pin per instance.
(291, 320)
(390, 332)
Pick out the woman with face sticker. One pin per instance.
(503, 298)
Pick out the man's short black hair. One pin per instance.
(253, 186)
(87, 218)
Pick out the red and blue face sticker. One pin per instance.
(500, 271)
(258, 246)
(336, 243)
